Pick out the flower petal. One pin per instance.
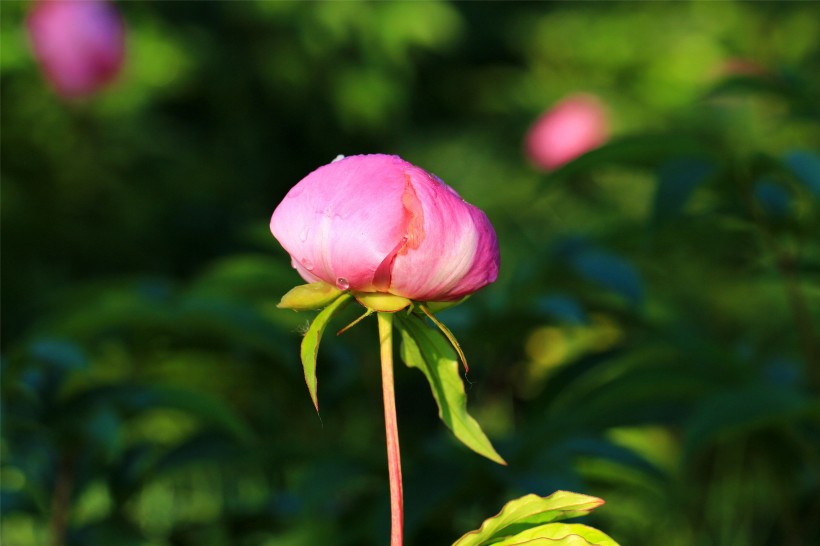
(342, 220)
(451, 252)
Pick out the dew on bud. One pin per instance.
(342, 284)
(307, 264)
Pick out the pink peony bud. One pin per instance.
(79, 43)
(571, 128)
(376, 223)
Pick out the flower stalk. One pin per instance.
(385, 321)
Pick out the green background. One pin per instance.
(652, 338)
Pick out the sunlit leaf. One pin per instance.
(310, 343)
(428, 350)
(565, 534)
(530, 511)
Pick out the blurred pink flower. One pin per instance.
(376, 223)
(79, 43)
(574, 126)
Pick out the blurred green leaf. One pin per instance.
(732, 413)
(806, 165)
(611, 271)
(112, 530)
(636, 150)
(428, 350)
(135, 399)
(310, 343)
(774, 198)
(528, 512)
(677, 180)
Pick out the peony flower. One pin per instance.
(376, 223)
(571, 128)
(79, 43)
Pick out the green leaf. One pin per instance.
(520, 515)
(565, 534)
(307, 297)
(429, 351)
(310, 343)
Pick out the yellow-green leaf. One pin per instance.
(310, 343)
(530, 511)
(565, 534)
(428, 350)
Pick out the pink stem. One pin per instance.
(392, 429)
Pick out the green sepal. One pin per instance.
(310, 343)
(428, 350)
(382, 302)
(308, 297)
(531, 520)
(436, 306)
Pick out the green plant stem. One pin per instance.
(392, 429)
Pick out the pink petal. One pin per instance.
(458, 253)
(79, 43)
(378, 223)
(571, 128)
(342, 220)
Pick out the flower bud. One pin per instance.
(79, 43)
(571, 128)
(376, 223)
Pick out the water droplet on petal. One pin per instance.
(307, 264)
(342, 284)
(304, 234)
(338, 158)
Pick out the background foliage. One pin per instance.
(652, 338)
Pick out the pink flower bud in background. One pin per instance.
(571, 128)
(79, 43)
(376, 223)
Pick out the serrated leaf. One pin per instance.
(570, 540)
(428, 350)
(520, 515)
(310, 343)
(565, 534)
